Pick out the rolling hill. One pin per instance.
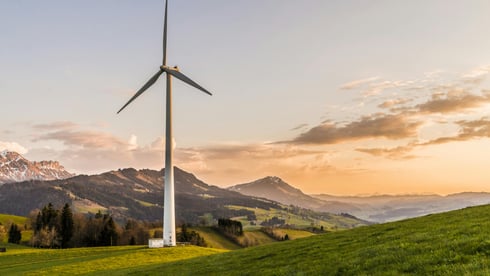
(452, 243)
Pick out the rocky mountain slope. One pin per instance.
(15, 168)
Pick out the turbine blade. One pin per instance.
(147, 85)
(164, 62)
(184, 78)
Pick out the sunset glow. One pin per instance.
(341, 97)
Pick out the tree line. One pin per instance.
(61, 228)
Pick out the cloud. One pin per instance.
(453, 101)
(56, 125)
(389, 126)
(133, 142)
(468, 130)
(85, 139)
(298, 127)
(476, 75)
(13, 146)
(357, 83)
(401, 152)
(388, 104)
(377, 88)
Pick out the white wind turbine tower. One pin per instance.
(169, 203)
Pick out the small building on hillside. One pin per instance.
(155, 243)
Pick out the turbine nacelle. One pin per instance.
(165, 67)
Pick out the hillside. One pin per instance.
(139, 194)
(127, 193)
(274, 188)
(453, 243)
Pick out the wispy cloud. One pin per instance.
(85, 139)
(299, 127)
(56, 125)
(390, 104)
(401, 152)
(358, 83)
(476, 75)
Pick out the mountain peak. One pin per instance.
(273, 179)
(15, 168)
(271, 187)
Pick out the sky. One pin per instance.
(336, 97)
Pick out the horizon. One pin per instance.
(338, 98)
(269, 176)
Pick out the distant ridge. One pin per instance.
(15, 168)
(375, 208)
(274, 188)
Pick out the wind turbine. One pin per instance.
(169, 203)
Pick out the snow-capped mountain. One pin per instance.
(15, 168)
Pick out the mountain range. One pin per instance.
(377, 208)
(15, 168)
(127, 193)
(26, 185)
(138, 194)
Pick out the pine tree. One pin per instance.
(66, 228)
(108, 235)
(14, 234)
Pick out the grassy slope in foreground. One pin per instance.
(455, 243)
(20, 260)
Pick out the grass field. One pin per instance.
(333, 223)
(454, 243)
(215, 239)
(7, 219)
(115, 260)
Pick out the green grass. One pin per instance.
(144, 203)
(454, 243)
(100, 260)
(293, 233)
(255, 238)
(333, 222)
(7, 219)
(215, 239)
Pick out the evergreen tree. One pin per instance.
(49, 216)
(14, 234)
(108, 235)
(66, 227)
